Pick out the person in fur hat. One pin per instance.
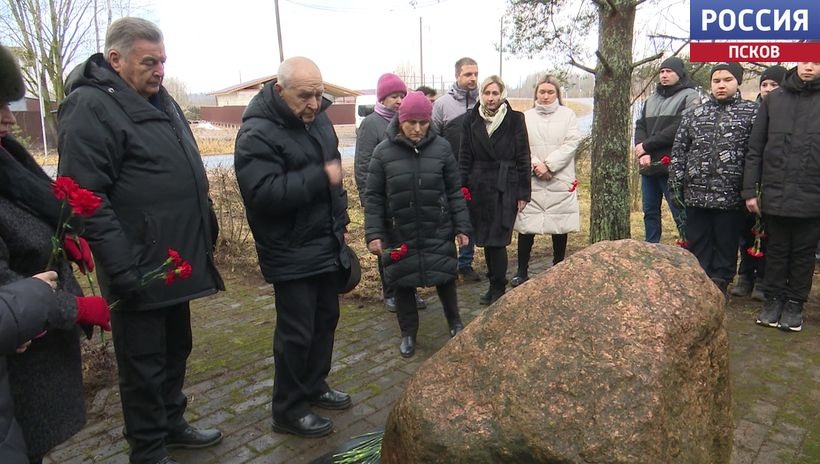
(46, 380)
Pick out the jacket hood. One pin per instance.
(96, 72)
(669, 90)
(393, 135)
(794, 84)
(267, 104)
(461, 94)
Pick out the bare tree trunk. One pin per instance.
(609, 215)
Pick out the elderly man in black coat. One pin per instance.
(124, 137)
(289, 171)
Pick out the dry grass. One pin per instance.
(236, 250)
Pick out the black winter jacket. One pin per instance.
(659, 121)
(414, 198)
(784, 150)
(26, 308)
(141, 158)
(371, 132)
(709, 154)
(298, 220)
(497, 172)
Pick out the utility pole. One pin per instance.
(279, 31)
(501, 46)
(421, 53)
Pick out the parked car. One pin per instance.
(365, 104)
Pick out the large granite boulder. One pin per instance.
(617, 355)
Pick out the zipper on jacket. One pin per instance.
(419, 234)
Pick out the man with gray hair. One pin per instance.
(289, 171)
(124, 137)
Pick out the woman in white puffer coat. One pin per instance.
(554, 137)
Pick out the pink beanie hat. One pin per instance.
(389, 84)
(416, 106)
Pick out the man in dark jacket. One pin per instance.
(124, 137)
(654, 135)
(449, 112)
(782, 182)
(289, 171)
(706, 173)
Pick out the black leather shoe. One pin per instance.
(190, 437)
(167, 460)
(456, 326)
(518, 280)
(408, 346)
(333, 399)
(308, 426)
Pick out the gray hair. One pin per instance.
(124, 32)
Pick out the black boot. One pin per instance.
(456, 326)
(743, 287)
(792, 318)
(487, 297)
(408, 346)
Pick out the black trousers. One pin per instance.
(753, 269)
(307, 311)
(525, 242)
(790, 257)
(496, 258)
(408, 315)
(712, 235)
(152, 349)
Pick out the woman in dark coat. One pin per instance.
(46, 380)
(414, 209)
(495, 168)
(26, 307)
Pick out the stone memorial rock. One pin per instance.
(617, 355)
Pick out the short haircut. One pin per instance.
(549, 79)
(289, 67)
(466, 61)
(124, 32)
(428, 91)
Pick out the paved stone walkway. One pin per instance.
(775, 382)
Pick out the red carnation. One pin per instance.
(395, 255)
(398, 253)
(83, 202)
(682, 243)
(466, 192)
(174, 256)
(185, 270)
(63, 187)
(666, 161)
(573, 186)
(403, 249)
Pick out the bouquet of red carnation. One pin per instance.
(398, 252)
(172, 269)
(759, 231)
(74, 201)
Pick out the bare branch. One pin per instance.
(603, 61)
(581, 66)
(647, 60)
(638, 2)
(666, 36)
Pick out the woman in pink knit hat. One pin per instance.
(414, 211)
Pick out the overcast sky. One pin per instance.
(216, 44)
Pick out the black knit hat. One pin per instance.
(675, 64)
(734, 68)
(11, 81)
(773, 73)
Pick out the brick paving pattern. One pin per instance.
(775, 382)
